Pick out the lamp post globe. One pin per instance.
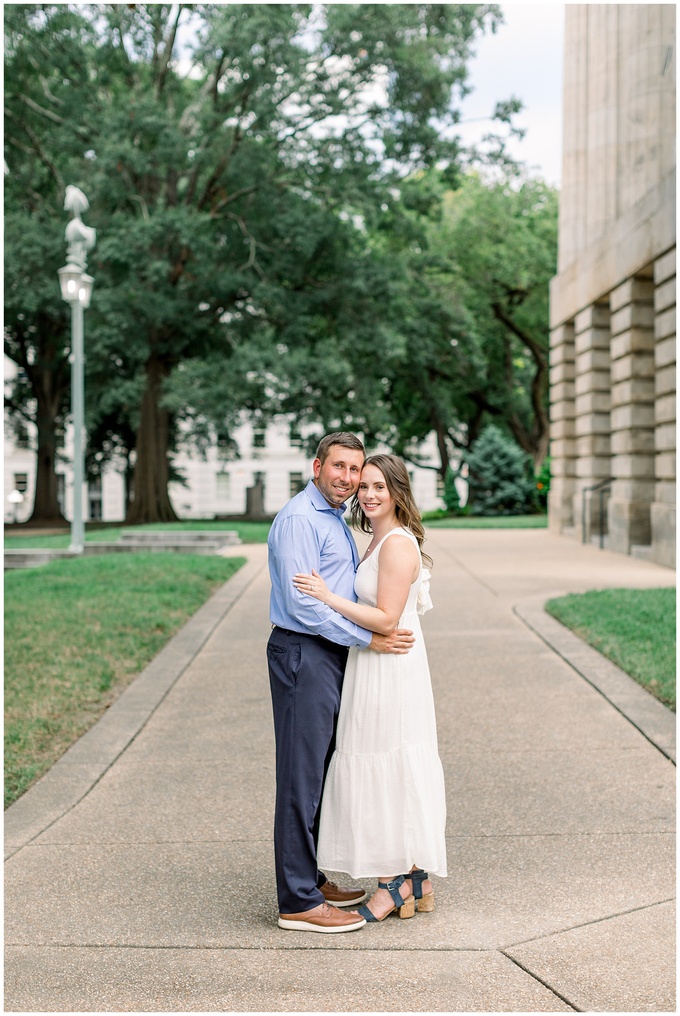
(69, 279)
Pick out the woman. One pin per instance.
(383, 806)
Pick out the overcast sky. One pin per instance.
(524, 58)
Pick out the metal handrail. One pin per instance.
(600, 488)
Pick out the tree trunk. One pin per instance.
(128, 481)
(46, 510)
(541, 452)
(440, 433)
(151, 502)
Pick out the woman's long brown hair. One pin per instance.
(399, 486)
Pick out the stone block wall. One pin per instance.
(562, 429)
(663, 506)
(592, 405)
(632, 416)
(612, 356)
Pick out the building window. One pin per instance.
(296, 483)
(223, 486)
(21, 438)
(21, 482)
(259, 437)
(294, 437)
(94, 498)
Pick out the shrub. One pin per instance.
(500, 476)
(451, 496)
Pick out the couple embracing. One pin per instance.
(359, 783)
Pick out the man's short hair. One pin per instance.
(342, 438)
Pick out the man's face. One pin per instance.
(338, 477)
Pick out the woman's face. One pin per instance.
(374, 497)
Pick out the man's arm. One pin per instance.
(295, 550)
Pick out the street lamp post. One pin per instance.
(76, 290)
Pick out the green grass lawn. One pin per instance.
(486, 522)
(635, 628)
(249, 532)
(77, 632)
(257, 532)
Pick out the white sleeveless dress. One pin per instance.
(384, 807)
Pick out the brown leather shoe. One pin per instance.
(342, 896)
(324, 918)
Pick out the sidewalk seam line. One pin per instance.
(588, 924)
(540, 980)
(545, 639)
(201, 842)
(240, 948)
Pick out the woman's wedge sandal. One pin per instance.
(404, 907)
(424, 903)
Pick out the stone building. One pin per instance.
(613, 299)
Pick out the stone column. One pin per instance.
(592, 405)
(663, 507)
(562, 440)
(632, 416)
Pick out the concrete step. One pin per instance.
(220, 537)
(642, 551)
(153, 546)
(29, 558)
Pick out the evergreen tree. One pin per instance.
(500, 476)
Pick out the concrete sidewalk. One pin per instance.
(140, 870)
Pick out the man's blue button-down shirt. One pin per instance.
(308, 533)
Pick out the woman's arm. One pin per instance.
(398, 568)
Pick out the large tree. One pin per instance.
(508, 233)
(224, 186)
(45, 82)
(438, 324)
(472, 311)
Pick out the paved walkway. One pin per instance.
(140, 869)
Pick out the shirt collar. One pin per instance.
(320, 502)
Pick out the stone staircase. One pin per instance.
(192, 541)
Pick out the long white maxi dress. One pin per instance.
(384, 806)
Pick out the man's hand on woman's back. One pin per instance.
(398, 641)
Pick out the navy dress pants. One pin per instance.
(305, 675)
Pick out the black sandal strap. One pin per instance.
(417, 876)
(393, 889)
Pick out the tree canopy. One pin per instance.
(271, 234)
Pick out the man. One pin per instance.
(307, 653)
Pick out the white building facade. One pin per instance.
(271, 457)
